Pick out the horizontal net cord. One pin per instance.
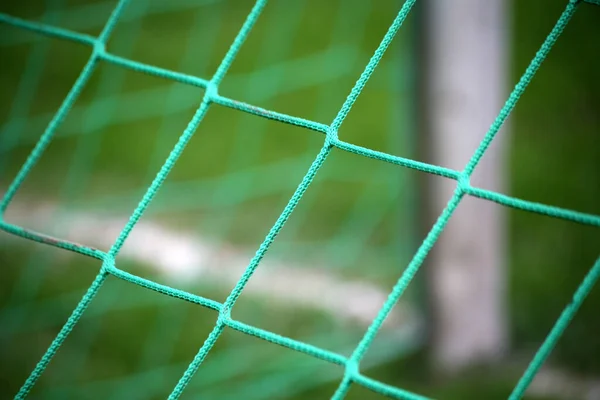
(52, 241)
(85, 16)
(558, 212)
(162, 73)
(48, 30)
(513, 202)
(186, 256)
(225, 317)
(385, 389)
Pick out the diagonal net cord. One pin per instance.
(99, 45)
(352, 373)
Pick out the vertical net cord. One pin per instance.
(176, 317)
(10, 133)
(169, 317)
(60, 115)
(224, 314)
(62, 335)
(341, 31)
(48, 134)
(237, 43)
(249, 137)
(25, 285)
(31, 161)
(213, 87)
(353, 96)
(370, 68)
(211, 92)
(531, 70)
(84, 155)
(243, 151)
(557, 330)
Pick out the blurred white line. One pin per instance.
(183, 258)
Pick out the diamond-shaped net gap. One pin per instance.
(82, 359)
(331, 141)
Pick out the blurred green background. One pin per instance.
(237, 174)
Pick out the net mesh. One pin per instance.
(350, 364)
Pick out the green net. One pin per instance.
(83, 364)
(331, 142)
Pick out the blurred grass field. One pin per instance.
(231, 183)
(238, 172)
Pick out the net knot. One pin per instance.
(108, 265)
(331, 136)
(224, 315)
(212, 91)
(464, 182)
(99, 48)
(351, 371)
